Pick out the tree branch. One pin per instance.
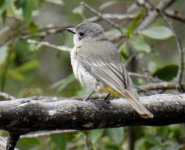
(152, 12)
(158, 86)
(44, 43)
(113, 16)
(104, 18)
(27, 115)
(176, 15)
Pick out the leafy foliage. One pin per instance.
(166, 73)
(157, 32)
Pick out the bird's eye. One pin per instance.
(81, 33)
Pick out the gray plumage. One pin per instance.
(96, 62)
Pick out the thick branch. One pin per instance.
(27, 115)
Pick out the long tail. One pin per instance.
(138, 106)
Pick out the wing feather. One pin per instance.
(106, 72)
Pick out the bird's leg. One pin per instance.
(106, 98)
(88, 97)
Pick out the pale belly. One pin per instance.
(82, 74)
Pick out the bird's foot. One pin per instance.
(106, 100)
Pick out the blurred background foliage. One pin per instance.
(27, 69)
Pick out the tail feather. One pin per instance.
(138, 106)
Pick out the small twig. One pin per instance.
(144, 76)
(43, 32)
(40, 43)
(103, 17)
(12, 141)
(113, 16)
(157, 86)
(175, 15)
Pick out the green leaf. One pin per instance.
(59, 140)
(140, 44)
(116, 134)
(28, 66)
(123, 51)
(157, 32)
(131, 28)
(27, 9)
(147, 143)
(28, 143)
(112, 33)
(108, 4)
(166, 73)
(95, 135)
(58, 2)
(3, 53)
(6, 5)
(15, 74)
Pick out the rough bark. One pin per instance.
(30, 114)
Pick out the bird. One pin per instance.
(97, 65)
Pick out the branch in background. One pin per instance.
(143, 76)
(175, 15)
(158, 86)
(113, 16)
(152, 13)
(15, 28)
(106, 19)
(40, 43)
(43, 32)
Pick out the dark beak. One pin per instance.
(72, 30)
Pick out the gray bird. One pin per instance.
(97, 65)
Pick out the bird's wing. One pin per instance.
(106, 66)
